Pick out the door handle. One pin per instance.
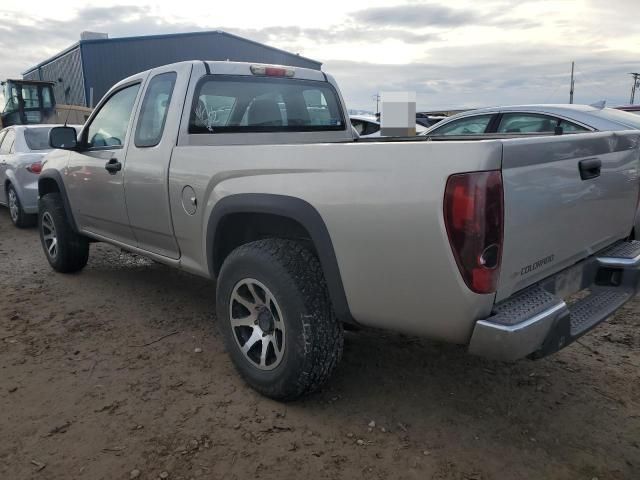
(590, 168)
(113, 166)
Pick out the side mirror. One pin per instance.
(558, 131)
(63, 137)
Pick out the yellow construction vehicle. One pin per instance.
(28, 102)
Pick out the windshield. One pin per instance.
(618, 116)
(10, 98)
(33, 98)
(230, 104)
(37, 138)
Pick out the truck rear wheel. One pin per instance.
(66, 250)
(275, 315)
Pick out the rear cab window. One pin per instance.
(242, 104)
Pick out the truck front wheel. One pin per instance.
(66, 250)
(276, 319)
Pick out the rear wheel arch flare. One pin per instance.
(47, 185)
(294, 218)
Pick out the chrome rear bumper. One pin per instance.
(548, 316)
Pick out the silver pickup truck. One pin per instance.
(251, 174)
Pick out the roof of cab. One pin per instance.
(232, 68)
(244, 68)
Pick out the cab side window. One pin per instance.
(475, 125)
(153, 113)
(109, 126)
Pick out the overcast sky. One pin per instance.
(454, 53)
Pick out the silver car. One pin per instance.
(21, 150)
(536, 119)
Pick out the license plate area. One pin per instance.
(568, 282)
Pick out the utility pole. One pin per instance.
(636, 83)
(571, 87)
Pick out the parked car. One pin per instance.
(21, 151)
(536, 119)
(630, 108)
(369, 126)
(306, 227)
(427, 120)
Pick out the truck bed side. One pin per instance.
(382, 205)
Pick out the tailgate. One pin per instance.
(565, 198)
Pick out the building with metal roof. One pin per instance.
(85, 71)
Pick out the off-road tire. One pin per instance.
(21, 219)
(313, 335)
(72, 249)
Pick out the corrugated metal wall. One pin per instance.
(67, 67)
(107, 62)
(32, 75)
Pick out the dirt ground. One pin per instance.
(119, 372)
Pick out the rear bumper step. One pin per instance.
(550, 315)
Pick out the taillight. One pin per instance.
(473, 216)
(35, 167)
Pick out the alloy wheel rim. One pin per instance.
(49, 235)
(257, 324)
(13, 205)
